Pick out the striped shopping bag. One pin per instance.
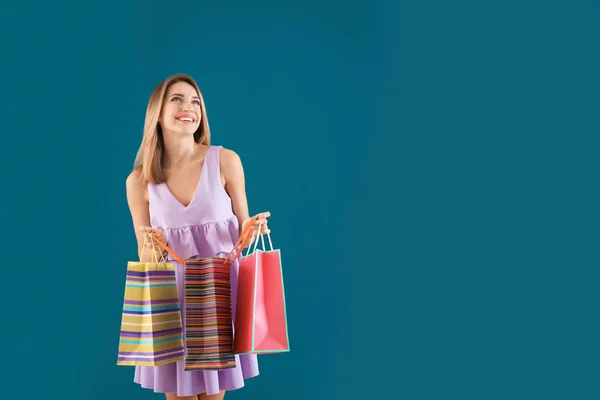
(208, 312)
(151, 325)
(209, 324)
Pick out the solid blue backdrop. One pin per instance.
(430, 169)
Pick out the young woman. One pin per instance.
(192, 196)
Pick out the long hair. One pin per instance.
(150, 158)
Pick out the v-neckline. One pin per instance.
(197, 185)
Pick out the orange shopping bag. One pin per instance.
(261, 317)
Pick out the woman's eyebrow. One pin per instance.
(179, 94)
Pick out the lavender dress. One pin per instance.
(207, 227)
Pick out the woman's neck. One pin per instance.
(180, 149)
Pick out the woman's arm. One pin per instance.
(137, 199)
(233, 175)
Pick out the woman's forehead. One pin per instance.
(182, 88)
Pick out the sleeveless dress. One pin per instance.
(207, 227)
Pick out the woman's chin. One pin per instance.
(183, 131)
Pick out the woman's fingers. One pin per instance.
(162, 238)
(262, 216)
(156, 233)
(259, 225)
(262, 225)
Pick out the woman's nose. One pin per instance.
(186, 105)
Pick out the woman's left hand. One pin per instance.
(256, 221)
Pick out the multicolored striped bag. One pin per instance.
(151, 324)
(208, 313)
(209, 326)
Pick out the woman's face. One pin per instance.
(181, 109)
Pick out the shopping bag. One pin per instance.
(261, 319)
(151, 323)
(208, 315)
(209, 329)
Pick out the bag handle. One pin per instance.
(262, 241)
(168, 249)
(154, 251)
(242, 242)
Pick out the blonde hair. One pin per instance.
(150, 158)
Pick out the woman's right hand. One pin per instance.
(159, 233)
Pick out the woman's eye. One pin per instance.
(196, 102)
(175, 98)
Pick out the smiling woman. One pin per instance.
(192, 195)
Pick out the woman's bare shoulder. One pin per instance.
(135, 185)
(229, 157)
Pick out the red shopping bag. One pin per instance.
(261, 317)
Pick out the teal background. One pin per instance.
(431, 169)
